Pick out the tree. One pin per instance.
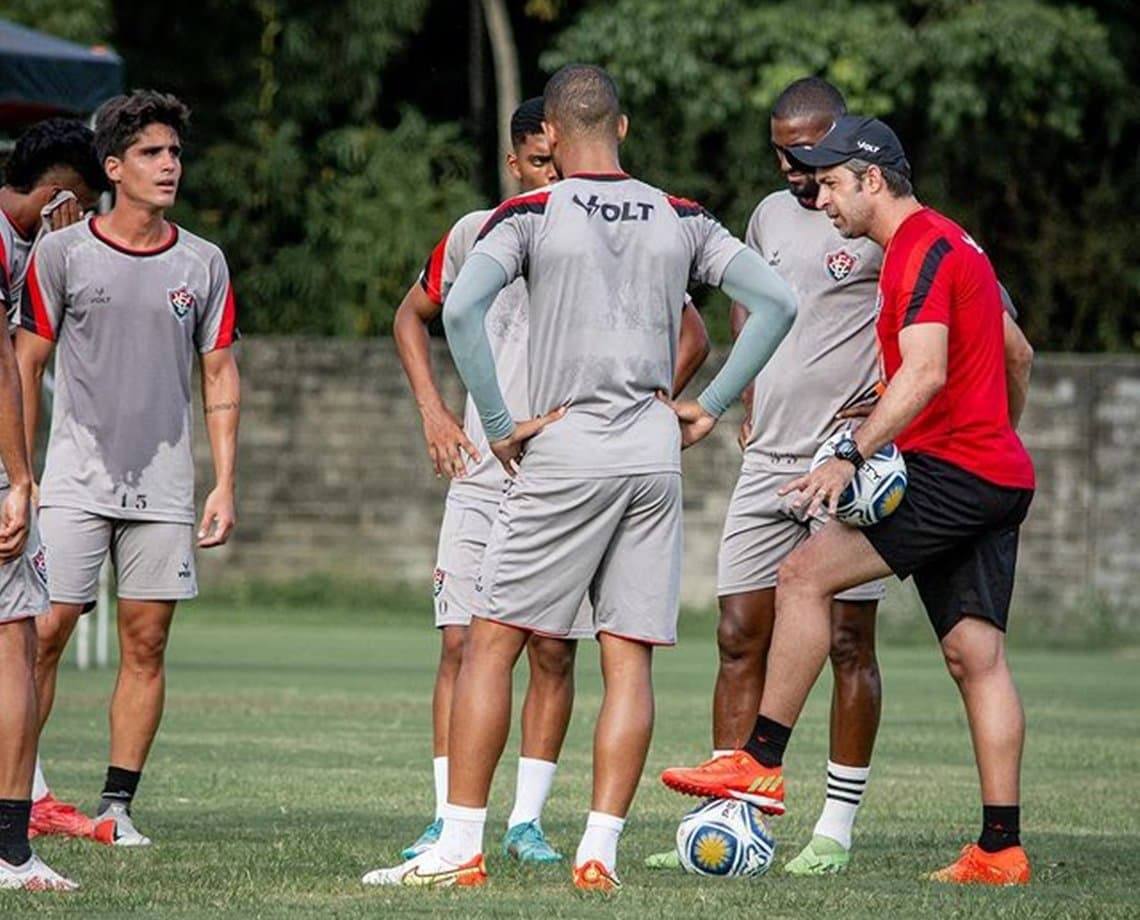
(325, 215)
(991, 97)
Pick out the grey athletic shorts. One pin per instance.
(23, 581)
(463, 539)
(153, 560)
(761, 530)
(617, 540)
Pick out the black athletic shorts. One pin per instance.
(956, 533)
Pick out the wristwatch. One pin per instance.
(847, 450)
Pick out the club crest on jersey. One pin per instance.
(840, 264)
(437, 582)
(181, 301)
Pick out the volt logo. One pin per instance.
(611, 212)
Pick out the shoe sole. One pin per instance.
(765, 803)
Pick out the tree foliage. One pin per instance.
(325, 214)
(327, 189)
(1017, 115)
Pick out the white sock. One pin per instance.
(532, 786)
(721, 752)
(462, 837)
(845, 787)
(439, 769)
(39, 784)
(600, 840)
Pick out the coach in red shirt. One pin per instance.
(956, 530)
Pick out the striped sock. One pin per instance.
(845, 787)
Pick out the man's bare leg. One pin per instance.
(621, 744)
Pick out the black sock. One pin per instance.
(1001, 827)
(118, 788)
(768, 741)
(14, 815)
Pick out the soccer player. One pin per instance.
(51, 179)
(23, 597)
(970, 483)
(595, 505)
(459, 450)
(129, 297)
(826, 364)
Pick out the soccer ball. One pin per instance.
(725, 838)
(877, 488)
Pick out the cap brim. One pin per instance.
(818, 156)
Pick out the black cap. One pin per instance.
(854, 136)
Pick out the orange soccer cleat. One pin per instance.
(51, 816)
(732, 776)
(592, 875)
(977, 867)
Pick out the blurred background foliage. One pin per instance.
(334, 143)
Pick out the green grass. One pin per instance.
(295, 755)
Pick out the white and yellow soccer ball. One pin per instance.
(725, 838)
(877, 488)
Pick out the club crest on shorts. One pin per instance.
(181, 301)
(840, 264)
(39, 564)
(437, 582)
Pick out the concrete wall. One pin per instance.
(334, 477)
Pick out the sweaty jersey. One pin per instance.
(607, 259)
(506, 326)
(126, 324)
(829, 359)
(933, 272)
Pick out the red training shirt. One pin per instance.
(933, 272)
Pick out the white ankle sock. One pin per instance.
(600, 840)
(39, 784)
(845, 787)
(439, 769)
(532, 787)
(462, 837)
(721, 752)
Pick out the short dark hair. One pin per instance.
(898, 185)
(527, 120)
(809, 97)
(120, 120)
(582, 99)
(56, 142)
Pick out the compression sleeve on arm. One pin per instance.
(752, 283)
(464, 311)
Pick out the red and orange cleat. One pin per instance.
(732, 776)
(51, 816)
(977, 867)
(592, 875)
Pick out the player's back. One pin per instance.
(607, 260)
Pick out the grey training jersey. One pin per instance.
(127, 324)
(14, 251)
(607, 260)
(829, 359)
(506, 326)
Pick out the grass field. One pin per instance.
(295, 753)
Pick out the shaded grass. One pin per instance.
(295, 753)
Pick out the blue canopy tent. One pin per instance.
(41, 76)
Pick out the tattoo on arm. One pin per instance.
(221, 407)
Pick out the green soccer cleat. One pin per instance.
(823, 856)
(526, 843)
(667, 859)
(428, 839)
